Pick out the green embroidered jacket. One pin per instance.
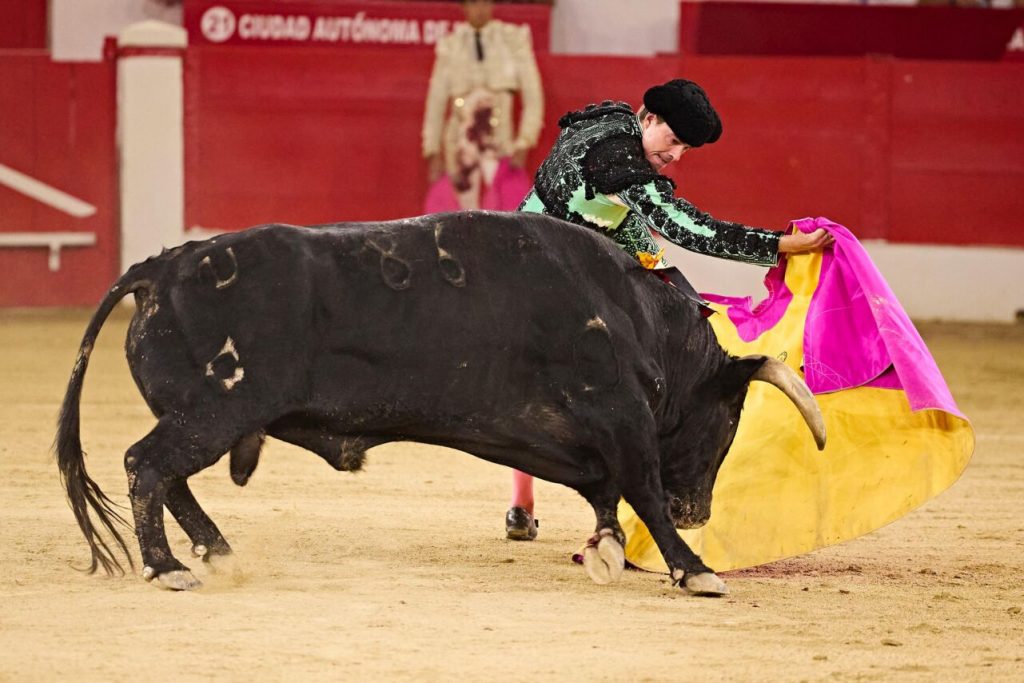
(598, 176)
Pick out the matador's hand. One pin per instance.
(805, 241)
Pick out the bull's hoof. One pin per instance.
(210, 553)
(603, 558)
(706, 584)
(179, 580)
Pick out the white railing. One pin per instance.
(54, 241)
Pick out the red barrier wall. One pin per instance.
(902, 150)
(924, 152)
(826, 30)
(301, 135)
(23, 24)
(58, 127)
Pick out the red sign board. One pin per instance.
(1015, 48)
(827, 30)
(342, 23)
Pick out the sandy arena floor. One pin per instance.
(402, 572)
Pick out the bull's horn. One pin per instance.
(779, 374)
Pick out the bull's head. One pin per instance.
(693, 452)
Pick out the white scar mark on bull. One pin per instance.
(228, 350)
(595, 357)
(395, 272)
(225, 282)
(451, 269)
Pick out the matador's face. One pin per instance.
(661, 146)
(478, 12)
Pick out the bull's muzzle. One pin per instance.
(690, 514)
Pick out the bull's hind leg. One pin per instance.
(207, 541)
(156, 466)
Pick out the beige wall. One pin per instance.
(78, 27)
(615, 27)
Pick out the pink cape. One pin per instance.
(895, 437)
(856, 332)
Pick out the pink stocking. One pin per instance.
(522, 491)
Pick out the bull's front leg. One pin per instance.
(604, 555)
(685, 567)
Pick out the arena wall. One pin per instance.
(58, 181)
(917, 158)
(923, 160)
(910, 152)
(22, 24)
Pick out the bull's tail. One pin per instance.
(83, 493)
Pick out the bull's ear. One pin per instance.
(735, 375)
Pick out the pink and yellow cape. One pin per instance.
(895, 436)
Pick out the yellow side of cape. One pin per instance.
(776, 495)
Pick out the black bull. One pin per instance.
(517, 338)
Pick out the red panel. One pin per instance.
(23, 24)
(302, 135)
(17, 149)
(958, 153)
(819, 29)
(60, 132)
(886, 147)
(775, 161)
(794, 142)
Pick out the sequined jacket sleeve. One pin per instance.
(684, 224)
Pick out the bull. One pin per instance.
(521, 339)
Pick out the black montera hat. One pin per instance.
(686, 109)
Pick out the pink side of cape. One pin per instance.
(856, 332)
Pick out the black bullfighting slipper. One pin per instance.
(520, 525)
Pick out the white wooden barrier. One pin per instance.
(54, 241)
(150, 127)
